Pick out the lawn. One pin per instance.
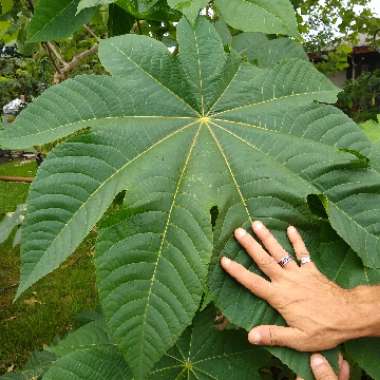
(12, 194)
(48, 309)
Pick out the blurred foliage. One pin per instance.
(335, 60)
(361, 97)
(31, 69)
(19, 76)
(372, 129)
(325, 24)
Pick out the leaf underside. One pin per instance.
(183, 134)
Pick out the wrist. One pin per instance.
(364, 312)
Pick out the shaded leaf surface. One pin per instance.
(204, 353)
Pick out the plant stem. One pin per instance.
(48, 49)
(17, 179)
(90, 31)
(138, 26)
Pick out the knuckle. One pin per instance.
(273, 338)
(265, 261)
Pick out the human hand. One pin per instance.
(320, 315)
(322, 369)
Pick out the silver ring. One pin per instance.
(305, 260)
(285, 261)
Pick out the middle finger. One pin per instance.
(263, 260)
(271, 244)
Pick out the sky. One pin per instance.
(376, 6)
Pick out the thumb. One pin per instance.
(275, 336)
(321, 368)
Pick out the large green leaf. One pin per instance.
(270, 17)
(168, 244)
(183, 134)
(259, 49)
(97, 363)
(204, 353)
(90, 101)
(50, 21)
(90, 335)
(87, 353)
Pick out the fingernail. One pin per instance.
(240, 232)
(291, 229)
(257, 225)
(254, 337)
(317, 360)
(226, 261)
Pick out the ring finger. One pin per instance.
(299, 246)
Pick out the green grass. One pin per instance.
(12, 194)
(48, 309)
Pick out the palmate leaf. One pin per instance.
(182, 134)
(168, 244)
(97, 363)
(203, 353)
(50, 20)
(270, 17)
(87, 353)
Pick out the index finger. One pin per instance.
(262, 258)
(253, 282)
